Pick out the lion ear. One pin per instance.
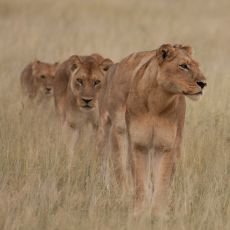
(75, 62)
(36, 63)
(165, 53)
(35, 66)
(188, 49)
(97, 57)
(106, 64)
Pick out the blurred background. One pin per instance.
(37, 189)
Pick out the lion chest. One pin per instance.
(164, 134)
(78, 119)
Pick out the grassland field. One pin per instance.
(39, 188)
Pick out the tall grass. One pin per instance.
(39, 187)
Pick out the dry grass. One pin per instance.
(37, 188)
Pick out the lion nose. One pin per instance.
(48, 89)
(202, 84)
(87, 100)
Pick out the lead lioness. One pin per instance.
(37, 81)
(77, 84)
(144, 102)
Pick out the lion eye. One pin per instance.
(42, 76)
(97, 82)
(184, 66)
(79, 81)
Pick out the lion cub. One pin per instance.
(37, 81)
(77, 84)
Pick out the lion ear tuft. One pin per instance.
(165, 53)
(106, 64)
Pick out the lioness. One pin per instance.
(77, 84)
(37, 80)
(144, 102)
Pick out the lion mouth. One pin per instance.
(193, 94)
(87, 107)
(48, 93)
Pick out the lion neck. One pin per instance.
(159, 100)
(147, 96)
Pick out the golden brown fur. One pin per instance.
(143, 109)
(76, 88)
(37, 80)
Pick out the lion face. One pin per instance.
(179, 72)
(87, 77)
(44, 77)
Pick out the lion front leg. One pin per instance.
(118, 138)
(164, 163)
(71, 136)
(102, 148)
(139, 158)
(140, 137)
(102, 135)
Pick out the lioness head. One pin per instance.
(86, 78)
(44, 76)
(179, 73)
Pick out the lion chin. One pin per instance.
(194, 97)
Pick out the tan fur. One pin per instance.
(143, 104)
(78, 80)
(37, 80)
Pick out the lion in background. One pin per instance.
(77, 85)
(37, 81)
(142, 112)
